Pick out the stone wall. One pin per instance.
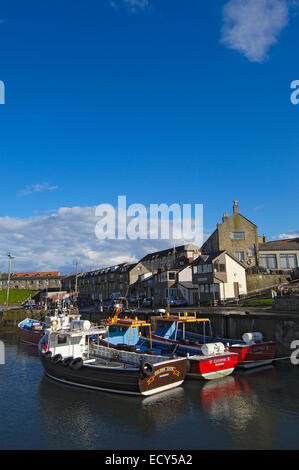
(262, 281)
(287, 303)
(238, 223)
(282, 329)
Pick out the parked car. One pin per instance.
(132, 299)
(147, 302)
(174, 301)
(30, 307)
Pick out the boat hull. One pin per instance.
(211, 368)
(130, 381)
(30, 337)
(253, 355)
(198, 366)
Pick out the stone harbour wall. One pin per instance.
(282, 329)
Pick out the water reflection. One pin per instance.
(72, 411)
(9, 334)
(235, 404)
(27, 350)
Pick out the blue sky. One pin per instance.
(159, 100)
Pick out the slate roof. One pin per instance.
(208, 259)
(280, 245)
(188, 284)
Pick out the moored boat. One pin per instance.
(211, 361)
(31, 331)
(75, 356)
(252, 350)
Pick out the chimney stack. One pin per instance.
(235, 207)
(225, 216)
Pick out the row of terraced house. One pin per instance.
(232, 261)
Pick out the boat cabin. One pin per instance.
(125, 331)
(173, 327)
(74, 341)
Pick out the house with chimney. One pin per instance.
(237, 235)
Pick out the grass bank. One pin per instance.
(259, 303)
(16, 295)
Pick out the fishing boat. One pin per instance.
(211, 361)
(252, 350)
(31, 331)
(74, 356)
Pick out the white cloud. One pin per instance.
(54, 241)
(287, 235)
(36, 188)
(253, 26)
(133, 5)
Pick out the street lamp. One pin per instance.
(10, 257)
(76, 278)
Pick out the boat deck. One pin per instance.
(105, 362)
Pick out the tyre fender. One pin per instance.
(66, 361)
(147, 369)
(56, 359)
(48, 355)
(76, 363)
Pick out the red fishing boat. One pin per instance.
(252, 350)
(31, 331)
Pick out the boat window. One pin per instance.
(163, 324)
(61, 339)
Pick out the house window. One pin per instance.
(238, 235)
(239, 255)
(268, 261)
(251, 252)
(207, 268)
(288, 261)
(219, 268)
(215, 288)
(171, 276)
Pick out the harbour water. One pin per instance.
(257, 409)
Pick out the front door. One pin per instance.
(236, 290)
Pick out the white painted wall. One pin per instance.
(235, 273)
(185, 274)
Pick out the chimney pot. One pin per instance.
(235, 207)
